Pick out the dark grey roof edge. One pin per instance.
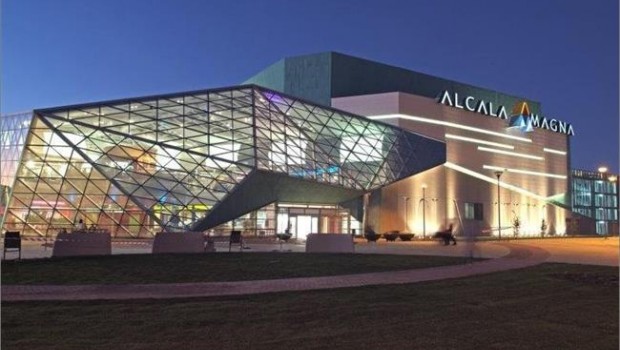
(142, 98)
(332, 53)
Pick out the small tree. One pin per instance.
(543, 228)
(516, 224)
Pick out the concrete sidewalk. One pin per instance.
(36, 250)
(520, 256)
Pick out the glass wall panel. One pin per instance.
(163, 163)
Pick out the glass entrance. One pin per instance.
(302, 219)
(305, 224)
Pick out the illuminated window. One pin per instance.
(167, 158)
(58, 147)
(473, 211)
(291, 152)
(366, 148)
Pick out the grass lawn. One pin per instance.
(171, 268)
(552, 306)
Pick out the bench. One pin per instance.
(12, 242)
(235, 238)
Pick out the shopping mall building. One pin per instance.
(324, 143)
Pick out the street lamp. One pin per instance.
(543, 224)
(499, 210)
(424, 211)
(406, 210)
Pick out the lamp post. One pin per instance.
(543, 224)
(499, 204)
(406, 210)
(424, 211)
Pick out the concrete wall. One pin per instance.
(329, 243)
(179, 242)
(80, 243)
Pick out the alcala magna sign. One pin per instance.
(521, 117)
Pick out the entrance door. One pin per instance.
(306, 224)
(601, 227)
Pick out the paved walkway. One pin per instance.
(519, 256)
(587, 251)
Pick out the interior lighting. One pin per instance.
(287, 205)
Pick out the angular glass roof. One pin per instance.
(166, 162)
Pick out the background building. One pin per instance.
(595, 197)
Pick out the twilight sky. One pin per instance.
(561, 53)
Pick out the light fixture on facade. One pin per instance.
(449, 124)
(525, 172)
(483, 142)
(551, 150)
(508, 153)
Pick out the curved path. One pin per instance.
(520, 256)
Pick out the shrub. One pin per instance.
(372, 237)
(406, 236)
(390, 236)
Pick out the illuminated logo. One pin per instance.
(472, 104)
(521, 118)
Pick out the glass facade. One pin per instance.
(595, 195)
(138, 166)
(297, 219)
(13, 131)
